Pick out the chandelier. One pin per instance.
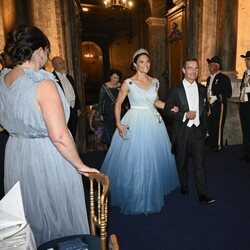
(118, 4)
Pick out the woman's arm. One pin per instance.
(160, 105)
(92, 114)
(118, 104)
(50, 104)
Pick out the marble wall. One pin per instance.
(243, 35)
(232, 129)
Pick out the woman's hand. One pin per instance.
(122, 130)
(85, 170)
(159, 104)
(175, 109)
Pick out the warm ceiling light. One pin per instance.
(118, 4)
(85, 9)
(88, 55)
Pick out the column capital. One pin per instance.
(156, 21)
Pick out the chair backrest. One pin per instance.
(99, 205)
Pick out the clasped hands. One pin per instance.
(246, 90)
(212, 99)
(190, 115)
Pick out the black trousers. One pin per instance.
(216, 122)
(72, 123)
(3, 139)
(245, 126)
(191, 141)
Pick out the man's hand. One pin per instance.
(247, 89)
(175, 109)
(191, 115)
(212, 99)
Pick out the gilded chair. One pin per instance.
(99, 190)
(99, 206)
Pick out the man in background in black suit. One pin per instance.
(219, 89)
(189, 129)
(245, 108)
(68, 86)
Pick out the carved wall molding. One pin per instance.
(175, 35)
(156, 21)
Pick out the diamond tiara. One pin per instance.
(138, 52)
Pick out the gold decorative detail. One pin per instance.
(99, 205)
(175, 34)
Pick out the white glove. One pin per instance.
(247, 89)
(212, 99)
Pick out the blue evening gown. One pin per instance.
(52, 189)
(141, 168)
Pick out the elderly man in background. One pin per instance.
(68, 86)
(219, 89)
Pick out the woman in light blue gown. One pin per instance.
(139, 162)
(40, 152)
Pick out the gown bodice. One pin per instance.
(19, 112)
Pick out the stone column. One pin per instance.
(157, 50)
(71, 24)
(50, 22)
(226, 47)
(226, 41)
(207, 31)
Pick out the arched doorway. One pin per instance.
(92, 69)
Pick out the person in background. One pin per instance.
(245, 108)
(139, 162)
(189, 128)
(40, 152)
(107, 99)
(96, 126)
(68, 86)
(219, 89)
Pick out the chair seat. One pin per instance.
(92, 241)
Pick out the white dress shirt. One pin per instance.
(68, 89)
(192, 94)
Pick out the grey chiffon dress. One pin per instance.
(52, 189)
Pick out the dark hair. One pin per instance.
(23, 41)
(132, 66)
(5, 61)
(115, 71)
(189, 59)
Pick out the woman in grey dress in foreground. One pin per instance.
(40, 152)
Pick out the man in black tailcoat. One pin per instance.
(219, 89)
(189, 129)
(68, 86)
(245, 108)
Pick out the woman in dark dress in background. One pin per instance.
(107, 98)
